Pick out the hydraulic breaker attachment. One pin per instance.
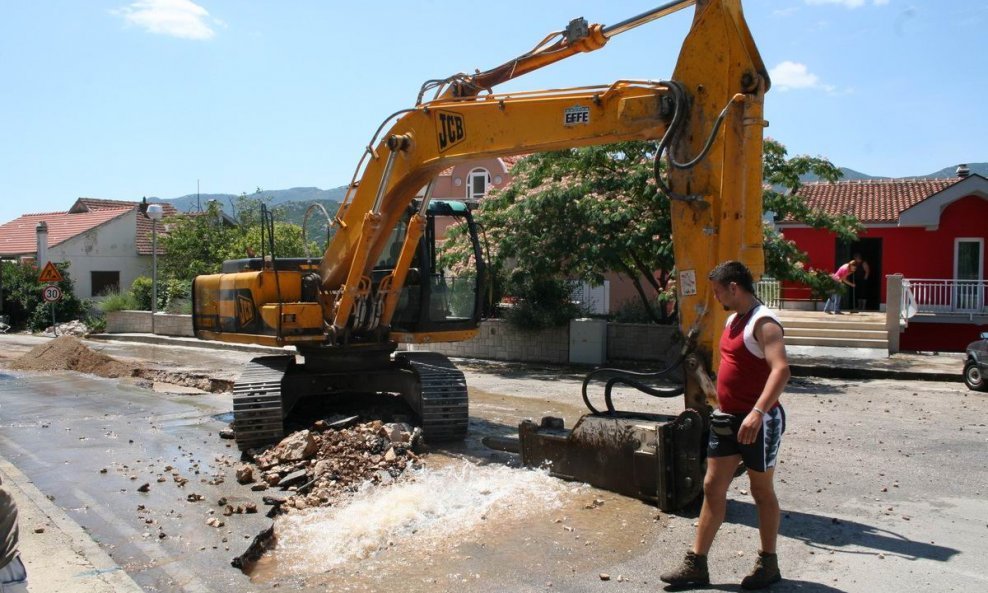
(656, 458)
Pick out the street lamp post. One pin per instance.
(155, 213)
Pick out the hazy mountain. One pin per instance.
(276, 197)
(849, 175)
(976, 168)
(852, 175)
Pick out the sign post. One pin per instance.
(51, 293)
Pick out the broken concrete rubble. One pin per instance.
(319, 465)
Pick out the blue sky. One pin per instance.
(120, 99)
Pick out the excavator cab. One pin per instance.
(436, 297)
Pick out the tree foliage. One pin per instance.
(22, 300)
(783, 259)
(198, 244)
(579, 213)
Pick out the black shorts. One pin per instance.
(760, 455)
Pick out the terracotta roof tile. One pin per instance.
(143, 230)
(19, 237)
(872, 201)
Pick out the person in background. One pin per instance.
(13, 575)
(862, 273)
(843, 275)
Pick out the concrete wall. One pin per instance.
(139, 322)
(498, 340)
(110, 247)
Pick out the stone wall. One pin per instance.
(498, 340)
(139, 322)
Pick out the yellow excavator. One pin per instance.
(379, 284)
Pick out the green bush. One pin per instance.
(116, 301)
(175, 296)
(93, 316)
(542, 303)
(632, 311)
(22, 297)
(140, 293)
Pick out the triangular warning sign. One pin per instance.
(50, 274)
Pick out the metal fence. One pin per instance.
(769, 291)
(920, 295)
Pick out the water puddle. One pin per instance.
(456, 525)
(430, 510)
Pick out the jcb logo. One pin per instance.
(245, 310)
(449, 129)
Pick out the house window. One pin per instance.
(968, 266)
(104, 283)
(477, 183)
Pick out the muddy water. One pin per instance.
(470, 520)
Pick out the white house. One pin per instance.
(107, 243)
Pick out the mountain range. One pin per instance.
(300, 197)
(277, 197)
(852, 175)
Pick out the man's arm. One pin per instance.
(769, 335)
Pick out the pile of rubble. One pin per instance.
(317, 467)
(71, 328)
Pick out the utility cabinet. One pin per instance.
(587, 341)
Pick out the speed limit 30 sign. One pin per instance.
(51, 294)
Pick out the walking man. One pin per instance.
(753, 372)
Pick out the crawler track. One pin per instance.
(258, 412)
(442, 404)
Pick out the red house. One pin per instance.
(932, 232)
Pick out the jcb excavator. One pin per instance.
(378, 283)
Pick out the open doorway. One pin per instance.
(866, 295)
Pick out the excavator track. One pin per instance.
(258, 410)
(442, 404)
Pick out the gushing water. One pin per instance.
(428, 509)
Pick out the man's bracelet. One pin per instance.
(759, 410)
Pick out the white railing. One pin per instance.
(769, 290)
(944, 296)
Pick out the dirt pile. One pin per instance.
(68, 353)
(320, 465)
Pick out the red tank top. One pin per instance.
(743, 370)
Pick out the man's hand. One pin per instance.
(749, 428)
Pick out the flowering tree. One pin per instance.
(580, 213)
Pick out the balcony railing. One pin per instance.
(769, 291)
(965, 297)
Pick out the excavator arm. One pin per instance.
(708, 120)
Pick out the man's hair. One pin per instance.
(733, 271)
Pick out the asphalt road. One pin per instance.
(883, 486)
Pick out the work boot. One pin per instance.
(693, 571)
(765, 573)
